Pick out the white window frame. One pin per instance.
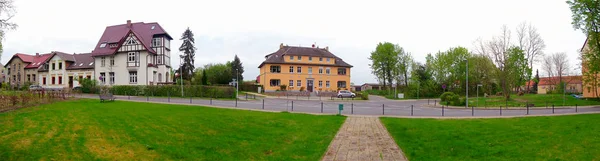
(309, 70)
(102, 62)
(133, 79)
(111, 76)
(291, 83)
(320, 83)
(299, 70)
(131, 41)
(328, 60)
(103, 45)
(327, 84)
(328, 71)
(299, 82)
(112, 61)
(320, 70)
(103, 80)
(299, 58)
(291, 69)
(291, 57)
(131, 55)
(156, 42)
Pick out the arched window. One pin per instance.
(159, 77)
(167, 77)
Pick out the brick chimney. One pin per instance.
(37, 54)
(281, 46)
(313, 45)
(129, 23)
(327, 48)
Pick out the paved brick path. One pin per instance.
(363, 138)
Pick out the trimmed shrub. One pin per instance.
(446, 96)
(363, 95)
(175, 90)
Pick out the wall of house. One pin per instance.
(121, 69)
(285, 76)
(58, 73)
(17, 72)
(31, 75)
(307, 59)
(571, 88)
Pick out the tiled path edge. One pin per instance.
(363, 138)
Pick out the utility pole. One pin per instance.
(181, 76)
(237, 86)
(467, 84)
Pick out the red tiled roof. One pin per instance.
(116, 34)
(34, 61)
(554, 80)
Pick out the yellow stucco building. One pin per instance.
(304, 69)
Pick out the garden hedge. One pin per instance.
(175, 91)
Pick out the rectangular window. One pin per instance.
(310, 58)
(103, 78)
(275, 69)
(131, 57)
(112, 77)
(291, 83)
(102, 62)
(133, 77)
(327, 84)
(299, 83)
(53, 80)
(112, 61)
(44, 80)
(33, 78)
(291, 69)
(328, 71)
(53, 66)
(59, 66)
(309, 70)
(341, 84)
(59, 79)
(160, 59)
(341, 71)
(156, 42)
(299, 58)
(28, 77)
(320, 59)
(274, 82)
(320, 83)
(291, 57)
(328, 59)
(299, 70)
(320, 70)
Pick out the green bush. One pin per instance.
(362, 95)
(175, 90)
(88, 85)
(446, 96)
(378, 92)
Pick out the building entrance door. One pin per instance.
(70, 82)
(309, 85)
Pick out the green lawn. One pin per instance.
(575, 137)
(89, 130)
(539, 100)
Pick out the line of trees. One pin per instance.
(501, 65)
(586, 17)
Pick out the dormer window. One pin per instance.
(113, 45)
(103, 45)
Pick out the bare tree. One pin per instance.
(561, 65)
(548, 67)
(7, 11)
(496, 50)
(532, 43)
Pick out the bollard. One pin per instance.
(552, 108)
(128, 96)
(434, 103)
(169, 96)
(292, 105)
(263, 105)
(442, 110)
(411, 110)
(352, 108)
(190, 99)
(383, 108)
(236, 101)
(321, 107)
(210, 100)
(246, 96)
(427, 101)
(500, 110)
(575, 108)
(527, 109)
(472, 110)
(147, 98)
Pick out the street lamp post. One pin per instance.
(181, 76)
(467, 84)
(478, 85)
(237, 80)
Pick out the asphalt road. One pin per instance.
(375, 106)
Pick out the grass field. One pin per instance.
(574, 137)
(539, 100)
(88, 130)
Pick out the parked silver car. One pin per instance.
(35, 88)
(345, 93)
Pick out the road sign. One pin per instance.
(444, 86)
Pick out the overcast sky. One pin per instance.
(252, 29)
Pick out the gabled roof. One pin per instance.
(277, 57)
(554, 80)
(118, 33)
(34, 61)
